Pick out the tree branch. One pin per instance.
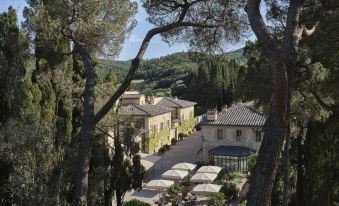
(104, 132)
(292, 33)
(258, 26)
(331, 108)
(308, 32)
(136, 61)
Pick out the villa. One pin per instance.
(159, 118)
(231, 136)
(182, 113)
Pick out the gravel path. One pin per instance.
(184, 151)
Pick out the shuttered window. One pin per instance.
(238, 135)
(258, 136)
(219, 133)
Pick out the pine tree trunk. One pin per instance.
(286, 155)
(86, 133)
(118, 197)
(300, 163)
(275, 131)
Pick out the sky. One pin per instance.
(157, 47)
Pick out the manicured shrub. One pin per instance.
(217, 199)
(199, 164)
(229, 190)
(161, 150)
(181, 136)
(198, 127)
(136, 202)
(173, 141)
(166, 147)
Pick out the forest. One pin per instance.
(59, 85)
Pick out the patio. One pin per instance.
(184, 151)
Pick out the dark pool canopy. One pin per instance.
(234, 151)
(230, 158)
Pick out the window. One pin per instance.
(168, 124)
(155, 128)
(139, 123)
(161, 126)
(182, 117)
(238, 135)
(258, 136)
(219, 133)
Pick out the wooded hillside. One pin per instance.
(159, 76)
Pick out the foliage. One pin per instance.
(216, 199)
(27, 145)
(321, 162)
(155, 138)
(113, 18)
(254, 79)
(251, 164)
(12, 70)
(198, 127)
(186, 181)
(161, 150)
(186, 126)
(174, 190)
(166, 146)
(229, 190)
(243, 202)
(199, 164)
(135, 202)
(232, 28)
(168, 75)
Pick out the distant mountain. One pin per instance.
(237, 55)
(176, 62)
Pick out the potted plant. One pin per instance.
(174, 191)
(174, 141)
(181, 136)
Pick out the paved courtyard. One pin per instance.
(187, 150)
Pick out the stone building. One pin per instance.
(230, 136)
(182, 113)
(132, 97)
(159, 118)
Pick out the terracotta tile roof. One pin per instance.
(237, 116)
(144, 110)
(131, 96)
(175, 103)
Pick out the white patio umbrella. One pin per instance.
(209, 169)
(205, 189)
(159, 184)
(174, 174)
(204, 177)
(184, 166)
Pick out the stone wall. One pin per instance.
(159, 136)
(210, 140)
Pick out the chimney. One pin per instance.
(175, 98)
(212, 114)
(152, 99)
(224, 108)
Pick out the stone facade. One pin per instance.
(214, 135)
(138, 100)
(156, 132)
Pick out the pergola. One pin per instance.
(230, 158)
